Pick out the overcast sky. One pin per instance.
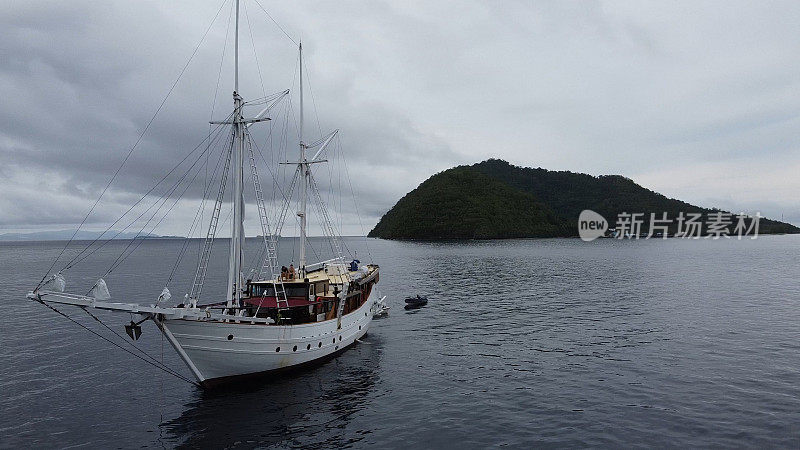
(697, 100)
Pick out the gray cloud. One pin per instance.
(698, 101)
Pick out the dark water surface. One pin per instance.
(526, 342)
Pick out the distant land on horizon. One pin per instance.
(496, 200)
(63, 235)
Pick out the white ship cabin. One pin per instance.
(315, 298)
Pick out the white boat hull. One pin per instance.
(217, 350)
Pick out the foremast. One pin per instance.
(304, 168)
(234, 292)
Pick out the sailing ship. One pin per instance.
(281, 319)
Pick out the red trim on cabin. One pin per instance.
(271, 302)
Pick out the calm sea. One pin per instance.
(553, 342)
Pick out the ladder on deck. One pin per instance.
(270, 267)
(342, 302)
(270, 264)
(202, 265)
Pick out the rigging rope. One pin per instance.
(282, 215)
(130, 152)
(325, 218)
(276, 23)
(355, 203)
(198, 218)
(255, 54)
(122, 257)
(165, 198)
(151, 358)
(75, 260)
(155, 364)
(214, 105)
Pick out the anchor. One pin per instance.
(134, 330)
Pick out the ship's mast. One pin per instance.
(237, 228)
(304, 168)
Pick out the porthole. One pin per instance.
(308, 347)
(294, 349)
(334, 341)
(340, 339)
(337, 348)
(230, 337)
(359, 327)
(277, 349)
(320, 344)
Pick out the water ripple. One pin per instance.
(524, 343)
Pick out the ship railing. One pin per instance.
(321, 264)
(222, 306)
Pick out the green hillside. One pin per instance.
(462, 203)
(570, 193)
(494, 199)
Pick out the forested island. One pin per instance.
(496, 200)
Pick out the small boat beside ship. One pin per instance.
(416, 302)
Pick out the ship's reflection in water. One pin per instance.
(298, 408)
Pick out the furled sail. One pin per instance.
(100, 290)
(56, 283)
(165, 295)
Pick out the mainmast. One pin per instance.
(304, 172)
(237, 229)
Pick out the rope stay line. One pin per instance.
(135, 145)
(255, 53)
(270, 262)
(202, 267)
(122, 257)
(198, 218)
(155, 364)
(327, 224)
(286, 199)
(163, 200)
(136, 347)
(78, 259)
(355, 203)
(276, 23)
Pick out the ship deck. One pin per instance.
(323, 284)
